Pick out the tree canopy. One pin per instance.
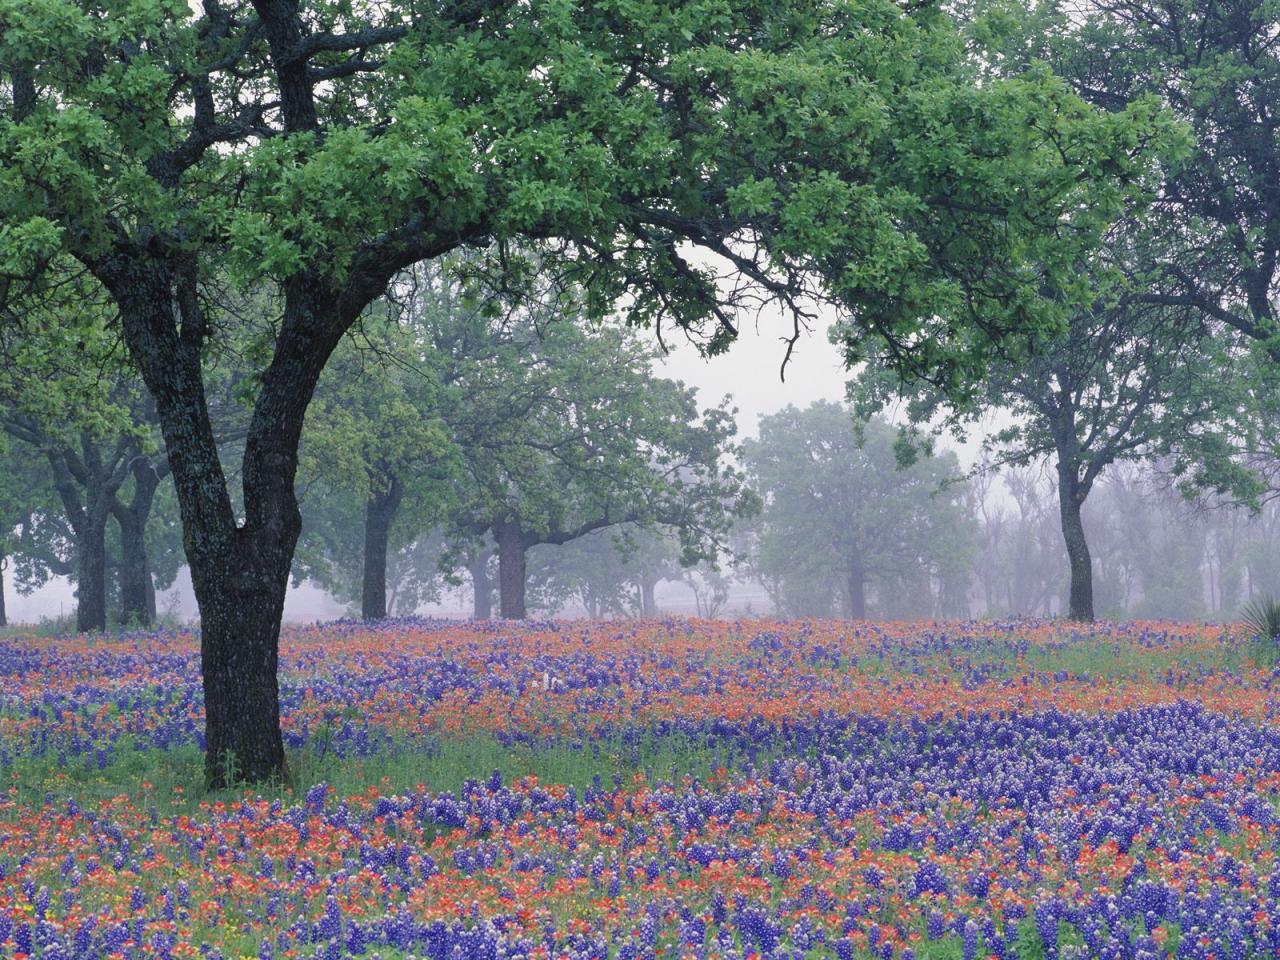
(564, 430)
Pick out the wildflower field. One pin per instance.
(654, 789)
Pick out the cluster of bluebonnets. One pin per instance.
(788, 791)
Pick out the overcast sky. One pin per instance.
(749, 371)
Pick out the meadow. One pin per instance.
(657, 788)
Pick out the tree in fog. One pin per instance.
(70, 399)
(609, 572)
(565, 431)
(323, 149)
(1020, 564)
(25, 493)
(841, 514)
(376, 458)
(1124, 381)
(1215, 65)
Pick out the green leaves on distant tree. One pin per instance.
(1123, 382)
(375, 436)
(68, 393)
(612, 572)
(564, 429)
(841, 515)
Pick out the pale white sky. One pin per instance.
(749, 371)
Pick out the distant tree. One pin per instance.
(480, 561)
(68, 395)
(24, 492)
(614, 571)
(710, 586)
(840, 512)
(564, 431)
(374, 434)
(331, 554)
(1121, 383)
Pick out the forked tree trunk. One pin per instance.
(512, 570)
(239, 568)
(481, 586)
(379, 512)
(1070, 501)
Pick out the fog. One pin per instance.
(994, 545)
(749, 373)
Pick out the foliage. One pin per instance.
(564, 429)
(1262, 618)
(840, 512)
(376, 425)
(1216, 213)
(844, 151)
(609, 572)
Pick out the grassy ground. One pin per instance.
(172, 781)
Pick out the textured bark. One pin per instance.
(239, 570)
(86, 483)
(91, 575)
(379, 511)
(481, 586)
(137, 592)
(512, 573)
(240, 612)
(240, 567)
(1070, 501)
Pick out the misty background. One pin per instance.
(1156, 554)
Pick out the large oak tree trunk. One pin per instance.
(1070, 501)
(512, 572)
(239, 569)
(481, 586)
(379, 512)
(241, 598)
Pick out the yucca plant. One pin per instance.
(1262, 619)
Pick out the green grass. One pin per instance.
(172, 781)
